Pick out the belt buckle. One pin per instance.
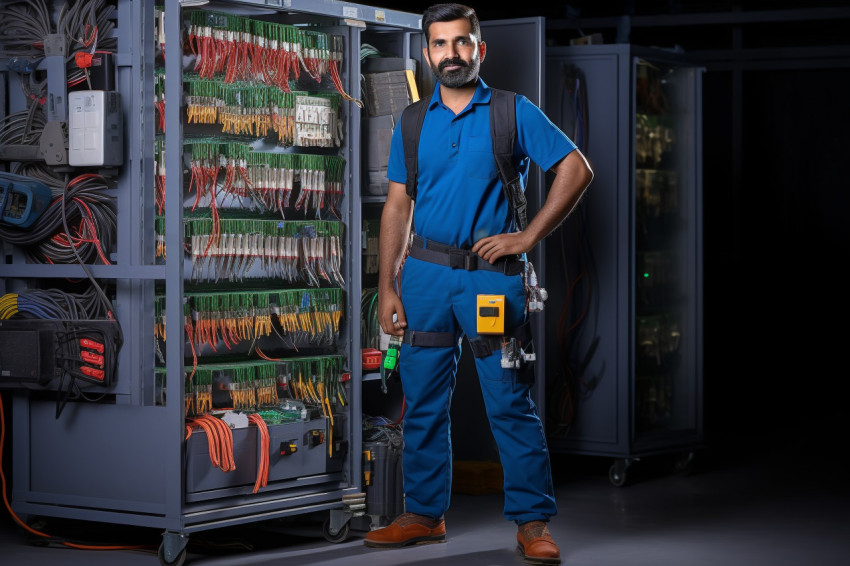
(462, 259)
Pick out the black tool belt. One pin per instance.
(457, 258)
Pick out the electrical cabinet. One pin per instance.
(628, 377)
(231, 216)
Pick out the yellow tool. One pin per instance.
(491, 314)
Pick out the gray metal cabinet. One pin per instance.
(624, 318)
(121, 453)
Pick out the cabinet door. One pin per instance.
(587, 322)
(666, 271)
(627, 379)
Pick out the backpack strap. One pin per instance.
(411, 126)
(504, 133)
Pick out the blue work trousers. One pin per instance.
(437, 298)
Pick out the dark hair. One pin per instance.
(449, 13)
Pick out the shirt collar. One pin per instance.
(481, 95)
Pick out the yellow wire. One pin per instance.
(8, 305)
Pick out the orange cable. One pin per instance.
(265, 441)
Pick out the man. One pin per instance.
(461, 211)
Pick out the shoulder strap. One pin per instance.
(411, 126)
(503, 130)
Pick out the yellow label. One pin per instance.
(491, 314)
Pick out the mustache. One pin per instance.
(457, 62)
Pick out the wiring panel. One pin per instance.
(48, 53)
(263, 229)
(189, 297)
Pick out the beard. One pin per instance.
(466, 74)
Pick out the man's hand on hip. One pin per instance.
(492, 248)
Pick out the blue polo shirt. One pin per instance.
(459, 197)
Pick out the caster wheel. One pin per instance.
(178, 561)
(618, 477)
(618, 472)
(338, 537)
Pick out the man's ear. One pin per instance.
(482, 50)
(425, 53)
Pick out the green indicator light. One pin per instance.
(645, 275)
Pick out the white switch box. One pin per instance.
(95, 128)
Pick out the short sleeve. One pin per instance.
(396, 169)
(538, 137)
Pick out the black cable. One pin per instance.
(107, 303)
(23, 127)
(24, 24)
(84, 198)
(81, 21)
(45, 174)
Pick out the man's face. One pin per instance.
(453, 53)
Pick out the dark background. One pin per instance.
(775, 193)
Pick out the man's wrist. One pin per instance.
(386, 288)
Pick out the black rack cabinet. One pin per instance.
(624, 323)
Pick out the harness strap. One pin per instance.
(504, 133)
(483, 346)
(411, 125)
(458, 258)
(429, 339)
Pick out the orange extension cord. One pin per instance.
(39, 533)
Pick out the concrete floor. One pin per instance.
(783, 504)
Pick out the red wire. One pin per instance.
(403, 406)
(265, 357)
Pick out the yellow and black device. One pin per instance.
(491, 314)
(367, 467)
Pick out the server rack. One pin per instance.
(123, 448)
(628, 380)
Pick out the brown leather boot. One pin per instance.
(535, 544)
(407, 529)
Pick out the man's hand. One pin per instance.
(572, 176)
(492, 248)
(388, 305)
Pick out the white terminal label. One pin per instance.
(349, 12)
